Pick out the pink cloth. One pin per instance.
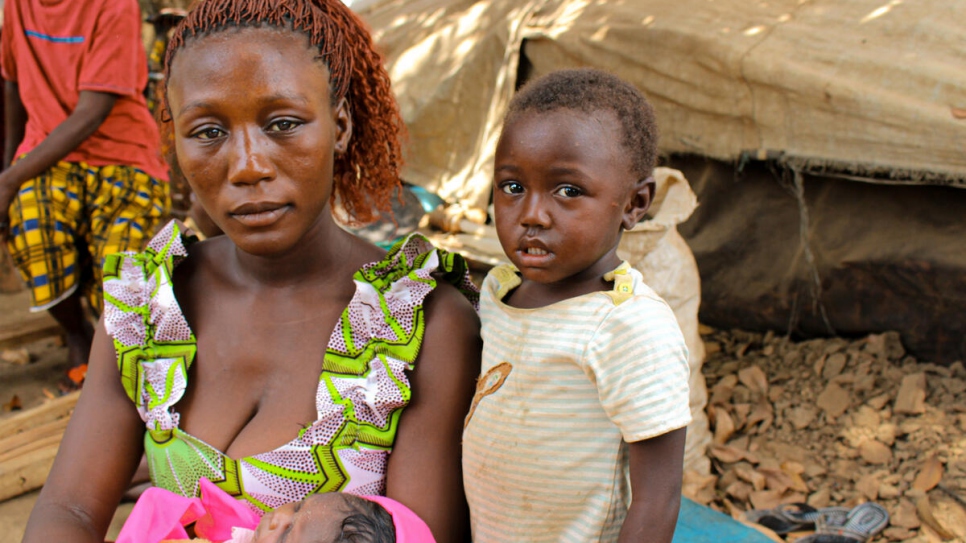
(409, 527)
(159, 515)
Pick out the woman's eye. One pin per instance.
(568, 192)
(209, 133)
(511, 187)
(283, 125)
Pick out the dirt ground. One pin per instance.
(827, 422)
(29, 385)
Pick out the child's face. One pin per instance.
(563, 187)
(256, 134)
(316, 519)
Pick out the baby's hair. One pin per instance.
(589, 90)
(368, 522)
(367, 173)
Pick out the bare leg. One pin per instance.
(69, 313)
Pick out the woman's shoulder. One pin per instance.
(415, 263)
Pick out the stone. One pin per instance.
(801, 417)
(866, 417)
(834, 365)
(888, 491)
(887, 345)
(879, 401)
(886, 433)
(868, 485)
(911, 398)
(834, 400)
(875, 452)
(820, 498)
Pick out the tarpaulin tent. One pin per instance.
(871, 88)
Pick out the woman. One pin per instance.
(278, 109)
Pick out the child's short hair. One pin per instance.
(367, 173)
(589, 90)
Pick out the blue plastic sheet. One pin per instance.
(700, 524)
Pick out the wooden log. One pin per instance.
(29, 442)
(27, 472)
(36, 327)
(30, 418)
(28, 439)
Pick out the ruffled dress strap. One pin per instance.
(154, 344)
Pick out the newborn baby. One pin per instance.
(160, 516)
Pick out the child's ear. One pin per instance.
(641, 195)
(343, 127)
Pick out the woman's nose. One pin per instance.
(249, 160)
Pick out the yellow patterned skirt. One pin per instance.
(65, 221)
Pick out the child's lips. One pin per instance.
(534, 254)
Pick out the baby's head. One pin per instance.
(572, 170)
(293, 89)
(332, 517)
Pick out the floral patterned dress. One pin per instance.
(361, 393)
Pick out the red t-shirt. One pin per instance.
(54, 49)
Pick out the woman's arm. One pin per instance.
(425, 468)
(656, 469)
(100, 451)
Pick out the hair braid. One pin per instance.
(367, 173)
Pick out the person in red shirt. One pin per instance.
(82, 172)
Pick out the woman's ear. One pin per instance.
(640, 201)
(343, 127)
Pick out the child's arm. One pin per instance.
(92, 108)
(656, 469)
(14, 121)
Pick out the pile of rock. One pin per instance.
(836, 422)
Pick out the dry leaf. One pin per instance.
(754, 378)
(924, 510)
(749, 475)
(958, 113)
(726, 454)
(722, 390)
(724, 426)
(763, 413)
(765, 499)
(929, 475)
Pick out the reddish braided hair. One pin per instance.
(367, 173)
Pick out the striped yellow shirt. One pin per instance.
(563, 388)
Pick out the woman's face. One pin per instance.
(256, 134)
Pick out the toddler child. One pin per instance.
(584, 390)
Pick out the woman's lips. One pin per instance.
(258, 215)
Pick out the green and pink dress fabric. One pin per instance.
(362, 390)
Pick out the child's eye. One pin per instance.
(511, 187)
(568, 192)
(283, 125)
(208, 133)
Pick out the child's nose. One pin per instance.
(249, 161)
(535, 213)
